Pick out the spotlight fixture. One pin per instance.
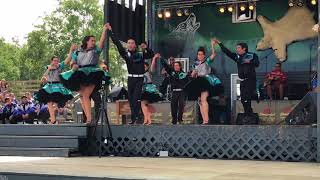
(300, 3)
(160, 15)
(179, 13)
(222, 9)
(167, 13)
(251, 6)
(186, 12)
(291, 3)
(242, 7)
(313, 2)
(230, 8)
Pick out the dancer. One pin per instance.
(150, 93)
(86, 73)
(246, 62)
(135, 65)
(204, 84)
(53, 93)
(178, 80)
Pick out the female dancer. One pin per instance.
(203, 84)
(150, 93)
(53, 92)
(86, 73)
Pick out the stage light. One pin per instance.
(222, 9)
(186, 12)
(179, 13)
(313, 2)
(242, 7)
(167, 13)
(300, 3)
(251, 6)
(160, 15)
(230, 8)
(290, 3)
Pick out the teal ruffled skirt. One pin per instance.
(209, 83)
(150, 93)
(84, 76)
(54, 92)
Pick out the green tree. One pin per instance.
(9, 60)
(69, 23)
(35, 54)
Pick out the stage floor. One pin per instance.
(158, 168)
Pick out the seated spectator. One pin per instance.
(7, 110)
(13, 98)
(42, 112)
(24, 112)
(29, 96)
(276, 80)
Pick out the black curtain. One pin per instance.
(127, 23)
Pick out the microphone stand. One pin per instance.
(266, 59)
(310, 65)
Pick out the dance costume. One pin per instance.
(150, 92)
(135, 65)
(53, 90)
(246, 71)
(88, 73)
(177, 80)
(206, 81)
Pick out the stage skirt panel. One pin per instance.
(54, 92)
(83, 76)
(209, 83)
(150, 93)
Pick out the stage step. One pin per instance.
(36, 152)
(43, 130)
(41, 140)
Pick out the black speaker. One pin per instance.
(247, 119)
(297, 91)
(305, 112)
(118, 93)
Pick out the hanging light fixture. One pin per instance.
(313, 2)
(230, 8)
(222, 9)
(159, 13)
(242, 7)
(300, 3)
(251, 6)
(291, 3)
(179, 13)
(167, 13)
(186, 12)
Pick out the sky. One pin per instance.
(18, 17)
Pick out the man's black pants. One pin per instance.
(177, 106)
(247, 91)
(134, 95)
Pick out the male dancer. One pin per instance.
(135, 65)
(246, 62)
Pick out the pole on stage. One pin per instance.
(318, 94)
(106, 43)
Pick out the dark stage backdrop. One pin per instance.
(127, 23)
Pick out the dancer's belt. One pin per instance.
(135, 75)
(243, 79)
(88, 65)
(54, 82)
(177, 90)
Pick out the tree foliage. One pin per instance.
(67, 24)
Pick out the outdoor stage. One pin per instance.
(13, 168)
